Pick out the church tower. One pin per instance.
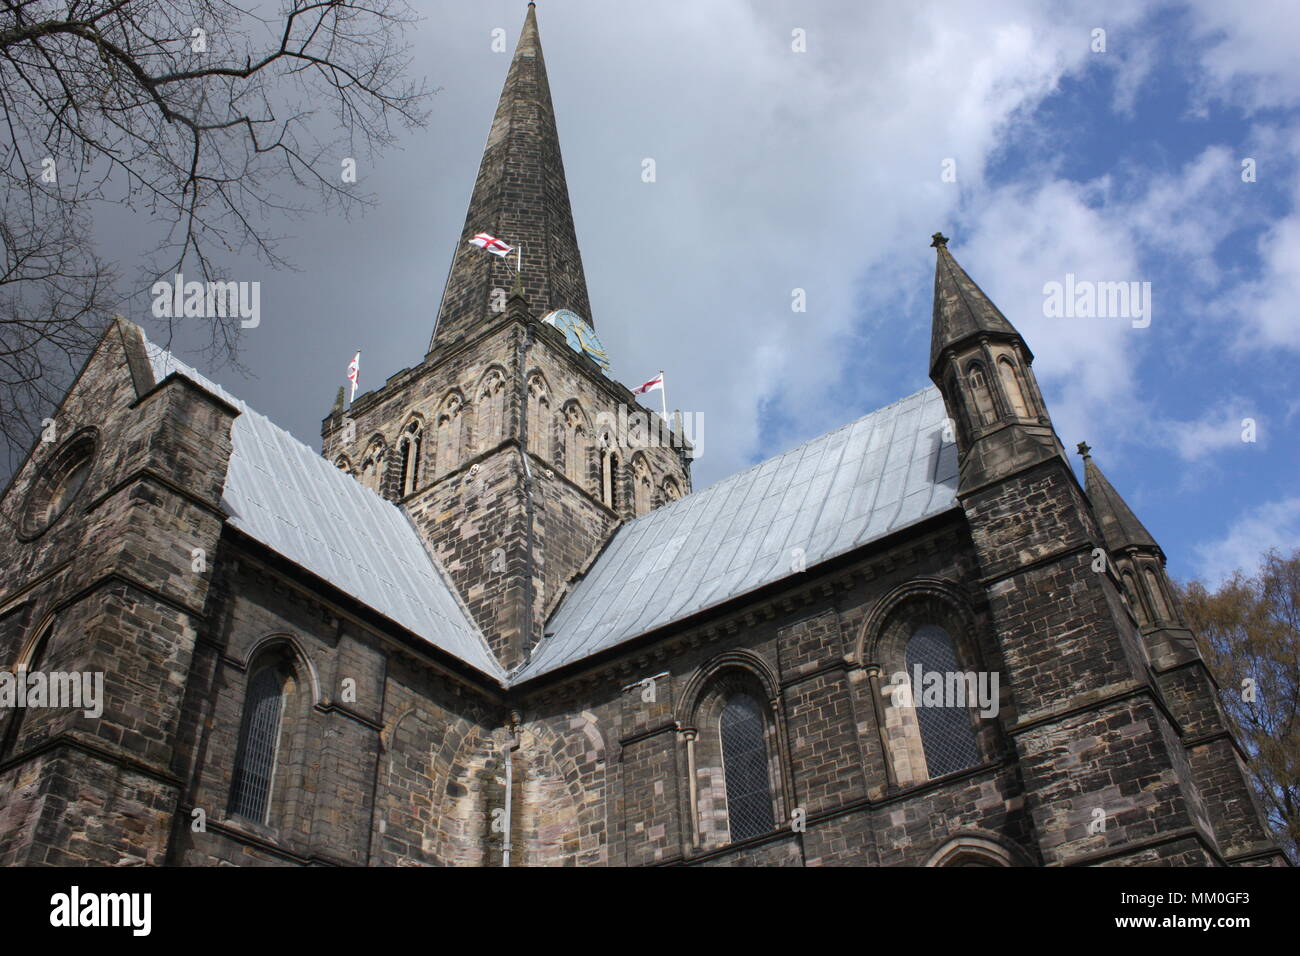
(1078, 680)
(509, 446)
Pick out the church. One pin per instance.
(484, 627)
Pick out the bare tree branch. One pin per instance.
(208, 118)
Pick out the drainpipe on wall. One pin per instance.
(511, 746)
(693, 786)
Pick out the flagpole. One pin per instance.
(663, 393)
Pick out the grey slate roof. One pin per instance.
(285, 495)
(887, 470)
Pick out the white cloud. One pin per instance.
(1221, 428)
(1248, 54)
(779, 170)
(1275, 524)
(1267, 306)
(1042, 228)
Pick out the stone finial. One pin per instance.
(937, 240)
(1085, 450)
(338, 400)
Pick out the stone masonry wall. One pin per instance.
(114, 589)
(476, 513)
(1091, 736)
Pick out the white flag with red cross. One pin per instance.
(655, 383)
(492, 244)
(354, 373)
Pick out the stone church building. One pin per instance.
(490, 626)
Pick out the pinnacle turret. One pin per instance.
(961, 309)
(984, 369)
(1119, 525)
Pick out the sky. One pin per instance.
(816, 146)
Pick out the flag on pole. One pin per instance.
(492, 244)
(354, 372)
(655, 383)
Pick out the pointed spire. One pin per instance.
(1119, 526)
(520, 197)
(961, 309)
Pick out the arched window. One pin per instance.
(35, 659)
(947, 731)
(259, 741)
(745, 767)
(575, 445)
(1158, 602)
(642, 487)
(1134, 599)
(490, 406)
(1011, 385)
(939, 685)
(372, 466)
(409, 463)
(403, 465)
(976, 849)
(449, 434)
(960, 411)
(979, 388)
(733, 758)
(609, 478)
(539, 417)
(58, 482)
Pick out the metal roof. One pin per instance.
(285, 495)
(885, 471)
(844, 489)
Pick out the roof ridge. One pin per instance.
(662, 509)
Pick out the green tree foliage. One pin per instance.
(1250, 634)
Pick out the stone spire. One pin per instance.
(1139, 564)
(1119, 525)
(961, 309)
(520, 197)
(985, 371)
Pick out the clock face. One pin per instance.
(580, 336)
